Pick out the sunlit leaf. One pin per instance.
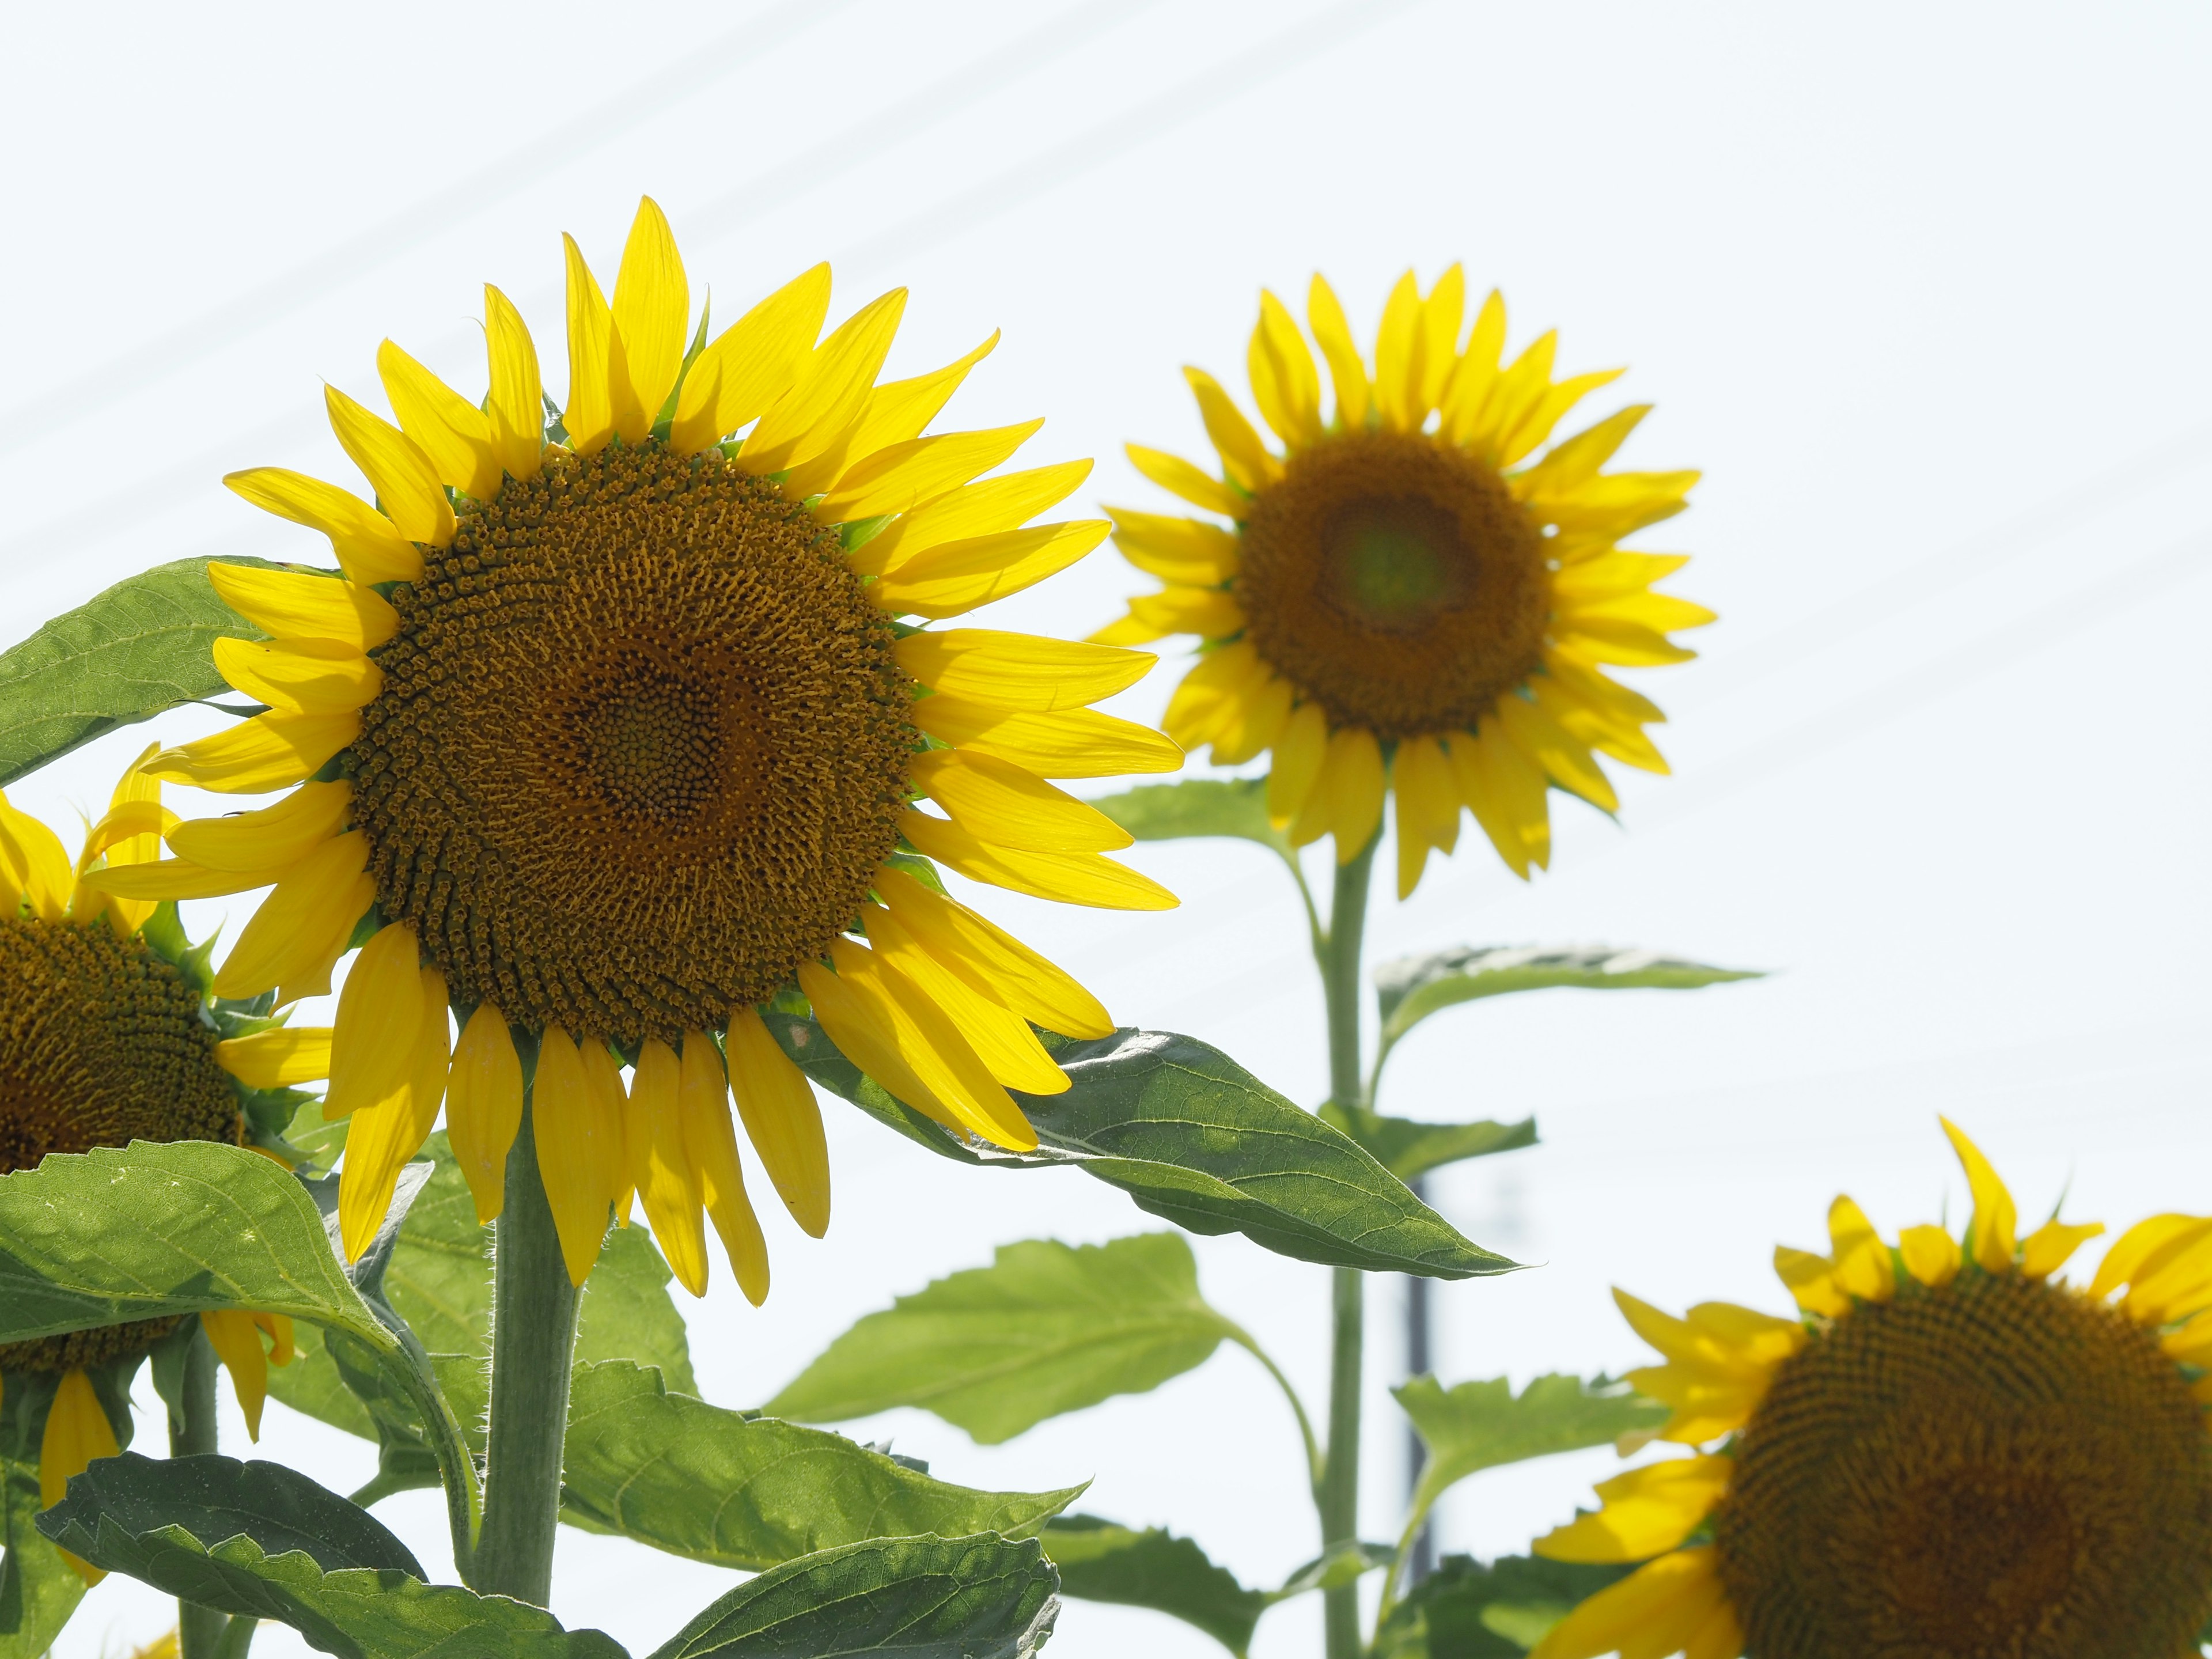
(1467, 1610)
(1234, 807)
(1479, 1425)
(1099, 1561)
(1410, 1149)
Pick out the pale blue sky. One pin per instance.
(1923, 288)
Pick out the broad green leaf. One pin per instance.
(261, 1565)
(1099, 1561)
(1197, 806)
(1346, 1565)
(1479, 1425)
(39, 1591)
(1047, 1328)
(1411, 988)
(1409, 1149)
(125, 1233)
(125, 656)
(905, 1598)
(1194, 1138)
(1467, 1610)
(748, 1492)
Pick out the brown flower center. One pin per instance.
(1394, 579)
(641, 746)
(101, 1043)
(1998, 1469)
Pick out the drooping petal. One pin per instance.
(667, 1182)
(77, 1433)
(710, 1146)
(603, 1078)
(1653, 1612)
(236, 1339)
(380, 1011)
(387, 1133)
(1353, 778)
(1067, 877)
(483, 1107)
(35, 865)
(1428, 807)
(1297, 762)
(1004, 1043)
(782, 1119)
(992, 961)
(572, 1151)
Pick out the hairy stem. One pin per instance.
(192, 1433)
(1339, 1497)
(533, 1341)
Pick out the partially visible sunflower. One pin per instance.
(612, 732)
(1951, 1452)
(1398, 601)
(106, 1039)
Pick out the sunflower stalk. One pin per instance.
(1338, 1496)
(533, 1340)
(192, 1433)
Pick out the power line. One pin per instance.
(235, 319)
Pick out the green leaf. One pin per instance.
(1479, 1425)
(1345, 1564)
(126, 1233)
(246, 1556)
(1411, 988)
(144, 645)
(1466, 1610)
(39, 1591)
(1197, 806)
(1409, 1149)
(1047, 1328)
(914, 1598)
(748, 1492)
(1194, 1138)
(1100, 1561)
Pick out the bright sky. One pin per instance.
(1923, 289)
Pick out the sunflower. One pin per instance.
(613, 731)
(105, 1039)
(1950, 1453)
(1434, 604)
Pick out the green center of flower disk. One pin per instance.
(1995, 1469)
(642, 744)
(1394, 579)
(101, 1044)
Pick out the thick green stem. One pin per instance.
(534, 1342)
(1339, 1485)
(192, 1433)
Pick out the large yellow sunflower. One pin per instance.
(1952, 1453)
(613, 731)
(103, 1041)
(1409, 599)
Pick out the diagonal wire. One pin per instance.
(237, 318)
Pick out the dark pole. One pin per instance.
(1421, 1560)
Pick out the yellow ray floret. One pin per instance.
(1415, 567)
(769, 433)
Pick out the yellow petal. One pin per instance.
(898, 409)
(986, 508)
(173, 878)
(1473, 377)
(1009, 805)
(1256, 722)
(830, 392)
(1347, 374)
(277, 1059)
(271, 838)
(902, 476)
(1504, 790)
(452, 431)
(385, 1135)
(869, 1032)
(1284, 383)
(1297, 763)
(958, 576)
(2148, 1240)
(35, 865)
(1023, 671)
(750, 363)
(1931, 1255)
(589, 419)
(1565, 759)
(572, 1150)
(290, 605)
(406, 482)
(1006, 1045)
(300, 676)
(1069, 877)
(710, 1150)
(1074, 742)
(77, 1434)
(1812, 1281)
(1721, 1636)
(1653, 1612)
(1615, 504)
(603, 1078)
(1663, 613)
(305, 924)
(1544, 414)
(1647, 1512)
(236, 1339)
(1576, 461)
(269, 751)
(2051, 1246)
(666, 1182)
(368, 545)
(516, 403)
(1428, 807)
(1352, 775)
(1176, 475)
(380, 1009)
(1864, 1267)
(483, 1107)
(651, 306)
(1442, 313)
(1243, 456)
(1211, 694)
(992, 961)
(783, 1120)
(1991, 1232)
(1208, 612)
(1401, 358)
